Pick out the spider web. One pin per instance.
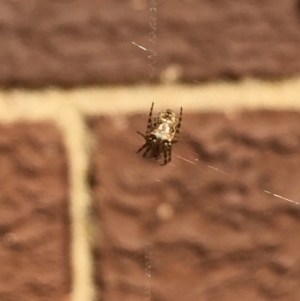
(153, 58)
(206, 173)
(189, 157)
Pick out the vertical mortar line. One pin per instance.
(78, 145)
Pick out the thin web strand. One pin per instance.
(148, 255)
(152, 57)
(225, 173)
(140, 46)
(281, 197)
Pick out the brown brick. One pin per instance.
(210, 235)
(34, 223)
(86, 42)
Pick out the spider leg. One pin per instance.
(147, 151)
(175, 139)
(149, 126)
(170, 153)
(144, 136)
(167, 153)
(143, 147)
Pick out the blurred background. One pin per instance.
(83, 217)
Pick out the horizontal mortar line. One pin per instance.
(221, 96)
(249, 94)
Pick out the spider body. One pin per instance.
(162, 132)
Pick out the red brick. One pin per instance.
(209, 235)
(34, 222)
(90, 42)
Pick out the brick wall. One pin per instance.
(82, 217)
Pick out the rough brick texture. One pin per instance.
(90, 41)
(34, 228)
(210, 235)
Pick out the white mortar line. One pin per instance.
(220, 96)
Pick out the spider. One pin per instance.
(161, 133)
